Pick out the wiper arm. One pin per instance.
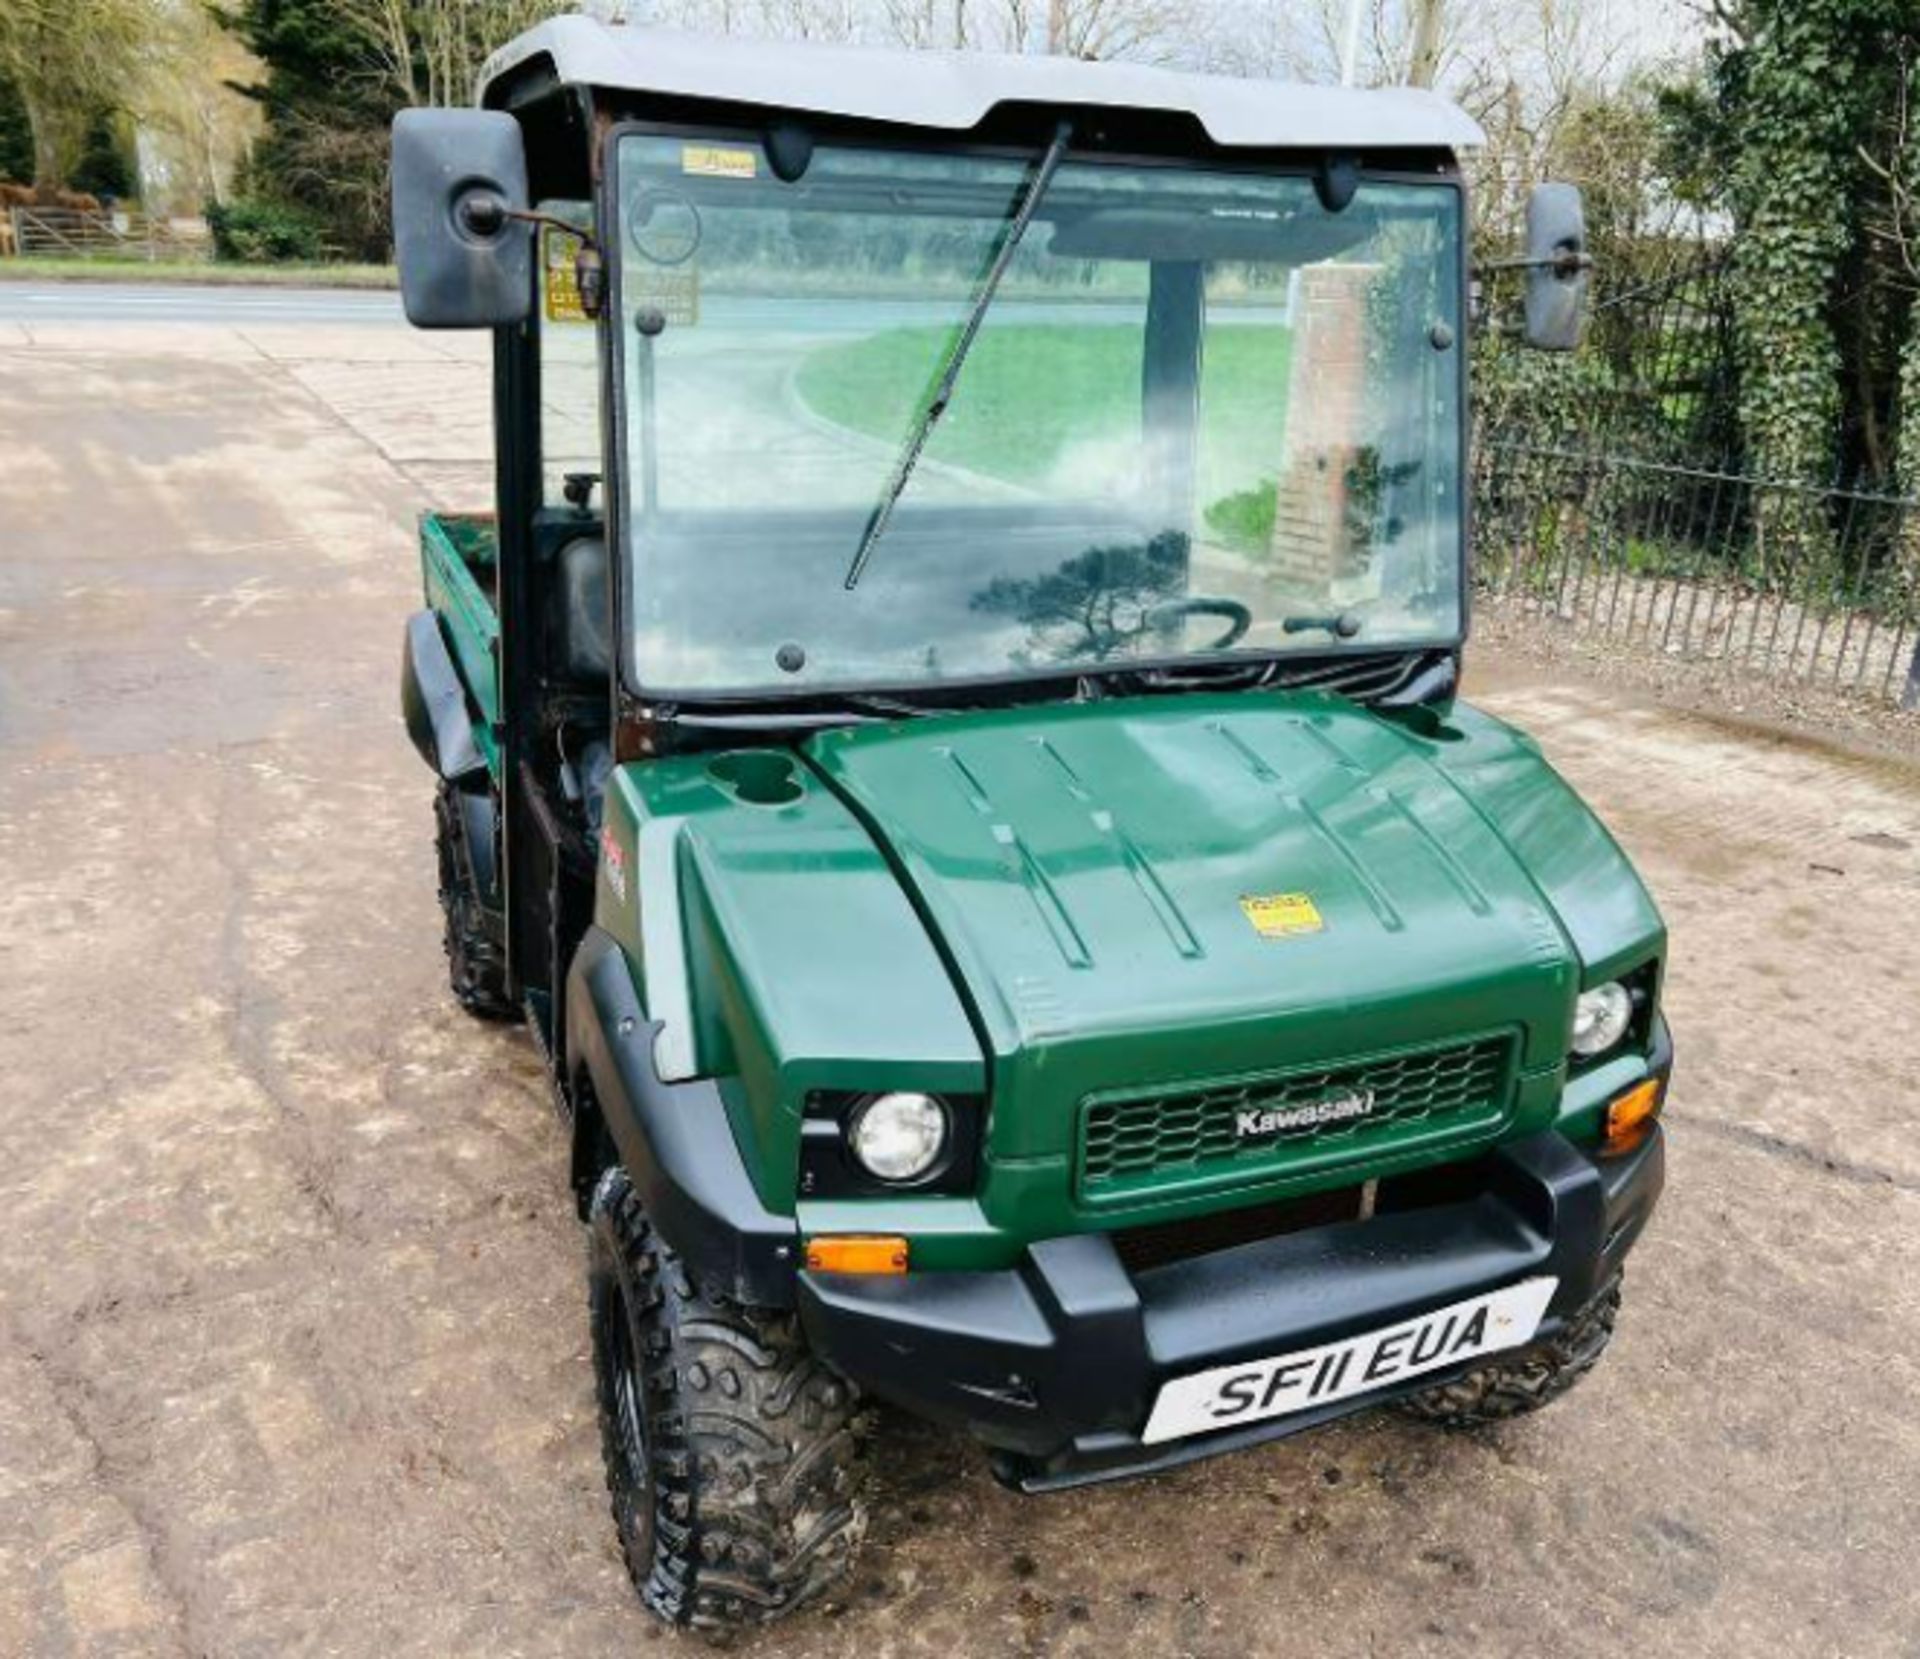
(1344, 626)
(943, 392)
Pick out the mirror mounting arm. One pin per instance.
(485, 215)
(1570, 262)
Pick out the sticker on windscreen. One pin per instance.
(664, 227)
(719, 161)
(672, 294)
(1282, 915)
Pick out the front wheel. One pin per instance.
(730, 1450)
(1527, 1379)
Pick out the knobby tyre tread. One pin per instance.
(749, 1503)
(1533, 1377)
(476, 964)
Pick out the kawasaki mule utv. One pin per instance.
(949, 739)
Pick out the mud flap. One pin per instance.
(434, 701)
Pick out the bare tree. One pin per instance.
(1475, 52)
(915, 22)
(1425, 33)
(1150, 30)
(430, 51)
(820, 20)
(1402, 42)
(194, 126)
(69, 60)
(1530, 72)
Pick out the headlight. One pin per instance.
(1600, 1018)
(899, 1137)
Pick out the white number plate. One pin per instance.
(1231, 1395)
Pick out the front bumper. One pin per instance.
(1055, 1363)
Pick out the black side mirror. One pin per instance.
(459, 179)
(1557, 267)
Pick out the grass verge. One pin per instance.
(196, 273)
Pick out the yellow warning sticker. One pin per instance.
(718, 161)
(560, 276)
(1281, 915)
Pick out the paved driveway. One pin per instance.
(292, 1352)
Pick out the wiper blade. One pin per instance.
(943, 392)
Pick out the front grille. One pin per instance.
(1169, 1136)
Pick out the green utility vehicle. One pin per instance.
(949, 739)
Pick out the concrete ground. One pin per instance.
(292, 1353)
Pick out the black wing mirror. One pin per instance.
(459, 188)
(1557, 267)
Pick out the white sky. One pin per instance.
(1291, 39)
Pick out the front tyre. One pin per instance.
(1527, 1379)
(730, 1450)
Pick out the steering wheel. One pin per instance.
(1236, 615)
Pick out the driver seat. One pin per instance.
(582, 634)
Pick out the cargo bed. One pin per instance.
(458, 558)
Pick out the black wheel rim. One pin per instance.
(629, 1417)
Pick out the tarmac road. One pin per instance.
(22, 302)
(292, 1351)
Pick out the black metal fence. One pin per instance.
(1605, 503)
(1820, 586)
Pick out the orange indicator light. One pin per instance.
(859, 1253)
(1629, 1115)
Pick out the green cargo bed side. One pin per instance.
(457, 561)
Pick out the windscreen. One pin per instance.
(1201, 417)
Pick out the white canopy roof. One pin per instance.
(956, 90)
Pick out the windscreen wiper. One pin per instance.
(1343, 626)
(943, 391)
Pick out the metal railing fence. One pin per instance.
(1819, 585)
(76, 233)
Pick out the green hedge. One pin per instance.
(265, 233)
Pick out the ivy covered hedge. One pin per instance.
(1795, 188)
